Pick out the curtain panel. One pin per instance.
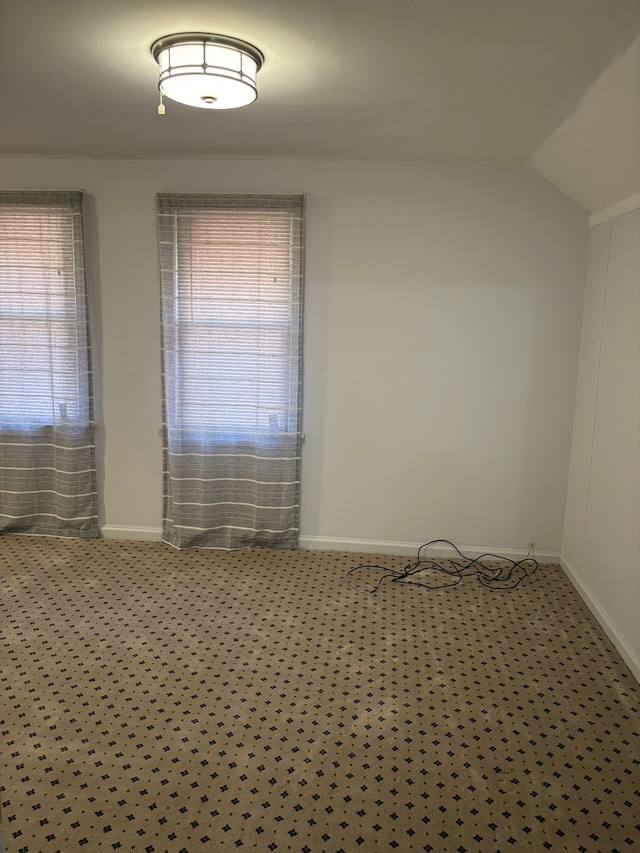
(231, 293)
(47, 447)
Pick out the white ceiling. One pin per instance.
(456, 80)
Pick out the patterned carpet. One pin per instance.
(164, 701)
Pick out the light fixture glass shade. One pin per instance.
(210, 71)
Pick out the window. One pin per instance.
(231, 320)
(47, 456)
(231, 270)
(43, 345)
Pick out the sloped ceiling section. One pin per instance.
(594, 155)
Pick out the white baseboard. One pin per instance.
(606, 623)
(374, 546)
(365, 546)
(142, 534)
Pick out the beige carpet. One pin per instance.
(155, 700)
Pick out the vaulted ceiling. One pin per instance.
(455, 80)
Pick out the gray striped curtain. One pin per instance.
(47, 454)
(231, 278)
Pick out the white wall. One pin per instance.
(601, 549)
(443, 307)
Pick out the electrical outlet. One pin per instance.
(531, 545)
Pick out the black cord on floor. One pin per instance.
(425, 572)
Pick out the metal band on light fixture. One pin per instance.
(205, 70)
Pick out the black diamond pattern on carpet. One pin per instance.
(164, 701)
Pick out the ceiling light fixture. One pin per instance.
(205, 70)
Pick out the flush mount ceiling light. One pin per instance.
(206, 70)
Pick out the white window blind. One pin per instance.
(232, 325)
(44, 369)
